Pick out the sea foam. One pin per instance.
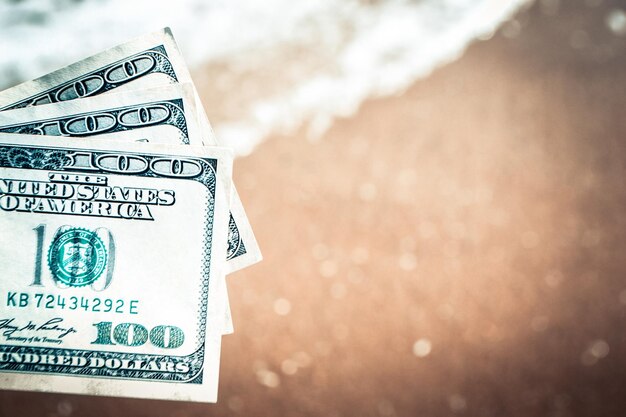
(276, 65)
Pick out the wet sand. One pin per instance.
(456, 250)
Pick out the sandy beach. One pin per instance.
(455, 250)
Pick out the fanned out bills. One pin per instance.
(119, 223)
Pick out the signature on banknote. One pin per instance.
(11, 329)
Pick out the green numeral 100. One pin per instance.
(132, 334)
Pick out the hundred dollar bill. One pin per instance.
(164, 110)
(149, 61)
(110, 261)
(162, 114)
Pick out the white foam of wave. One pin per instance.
(324, 58)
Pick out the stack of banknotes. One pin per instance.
(119, 222)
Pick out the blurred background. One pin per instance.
(437, 187)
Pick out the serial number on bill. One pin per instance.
(59, 302)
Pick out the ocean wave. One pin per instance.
(272, 66)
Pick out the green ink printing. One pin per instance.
(77, 257)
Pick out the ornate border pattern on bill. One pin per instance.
(102, 80)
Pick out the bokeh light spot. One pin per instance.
(616, 22)
(289, 367)
(599, 349)
(407, 262)
(367, 191)
(457, 403)
(268, 378)
(65, 408)
(338, 290)
(427, 230)
(554, 278)
(422, 348)
(235, 403)
(303, 359)
(320, 251)
(386, 409)
(596, 350)
(282, 306)
(328, 269)
(511, 29)
(360, 256)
